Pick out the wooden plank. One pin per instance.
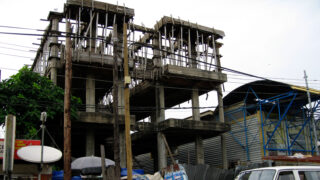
(143, 29)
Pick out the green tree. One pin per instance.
(27, 94)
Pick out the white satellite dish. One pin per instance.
(33, 154)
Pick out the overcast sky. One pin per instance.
(268, 38)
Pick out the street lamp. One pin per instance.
(43, 119)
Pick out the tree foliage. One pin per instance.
(27, 94)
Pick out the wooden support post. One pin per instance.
(103, 162)
(180, 46)
(165, 44)
(168, 148)
(127, 81)
(96, 33)
(105, 34)
(67, 94)
(189, 62)
(116, 148)
(160, 49)
(90, 29)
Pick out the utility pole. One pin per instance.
(127, 80)
(221, 110)
(116, 148)
(311, 116)
(67, 94)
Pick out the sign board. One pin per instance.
(18, 144)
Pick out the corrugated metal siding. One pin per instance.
(255, 145)
(145, 162)
(212, 147)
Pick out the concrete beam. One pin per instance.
(100, 118)
(193, 73)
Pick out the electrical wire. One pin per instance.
(223, 68)
(23, 28)
(16, 56)
(10, 44)
(16, 49)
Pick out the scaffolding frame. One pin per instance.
(280, 105)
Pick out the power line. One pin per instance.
(16, 49)
(15, 27)
(16, 56)
(171, 87)
(223, 68)
(18, 45)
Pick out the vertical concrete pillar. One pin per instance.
(123, 155)
(195, 104)
(196, 116)
(154, 152)
(53, 73)
(90, 142)
(222, 136)
(90, 93)
(90, 107)
(122, 138)
(160, 116)
(54, 46)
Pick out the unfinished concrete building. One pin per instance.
(174, 62)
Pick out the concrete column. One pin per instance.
(154, 152)
(160, 116)
(90, 93)
(90, 142)
(196, 116)
(156, 52)
(123, 155)
(122, 137)
(195, 104)
(53, 72)
(54, 49)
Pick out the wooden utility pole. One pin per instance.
(67, 94)
(116, 148)
(127, 80)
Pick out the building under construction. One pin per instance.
(174, 62)
(171, 63)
